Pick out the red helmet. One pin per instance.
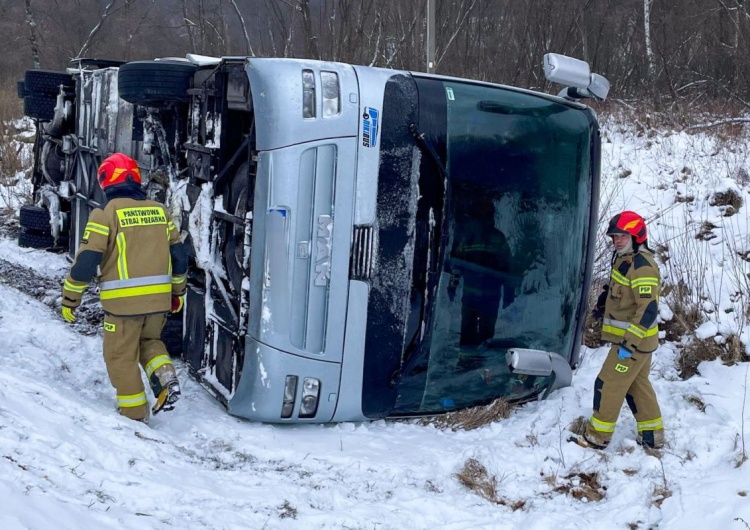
(629, 223)
(118, 169)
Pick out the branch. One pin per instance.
(718, 123)
(455, 33)
(244, 28)
(96, 29)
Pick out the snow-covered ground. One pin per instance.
(68, 460)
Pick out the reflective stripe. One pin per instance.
(134, 400)
(616, 323)
(170, 226)
(614, 327)
(619, 278)
(135, 291)
(156, 363)
(135, 282)
(96, 227)
(122, 262)
(651, 425)
(614, 331)
(179, 279)
(602, 426)
(640, 333)
(635, 330)
(644, 281)
(74, 288)
(619, 332)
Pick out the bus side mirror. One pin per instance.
(566, 70)
(576, 76)
(525, 361)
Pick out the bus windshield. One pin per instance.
(516, 221)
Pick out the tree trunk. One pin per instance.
(647, 35)
(31, 23)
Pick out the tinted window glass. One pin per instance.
(519, 199)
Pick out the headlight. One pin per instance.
(308, 94)
(331, 94)
(310, 395)
(290, 393)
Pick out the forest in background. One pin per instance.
(672, 55)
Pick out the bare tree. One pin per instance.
(244, 28)
(647, 37)
(31, 24)
(96, 28)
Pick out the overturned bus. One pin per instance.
(364, 243)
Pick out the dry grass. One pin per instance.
(11, 107)
(592, 332)
(578, 426)
(696, 402)
(731, 352)
(11, 162)
(475, 477)
(582, 486)
(729, 202)
(687, 315)
(659, 495)
(706, 232)
(473, 418)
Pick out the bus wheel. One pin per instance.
(45, 82)
(40, 106)
(31, 239)
(34, 218)
(155, 83)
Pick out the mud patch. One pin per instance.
(48, 290)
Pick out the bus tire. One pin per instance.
(36, 218)
(40, 106)
(155, 83)
(46, 82)
(29, 239)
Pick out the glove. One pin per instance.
(177, 303)
(598, 312)
(67, 314)
(622, 353)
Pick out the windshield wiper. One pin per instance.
(498, 107)
(428, 148)
(427, 288)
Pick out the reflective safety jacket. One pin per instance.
(137, 248)
(633, 302)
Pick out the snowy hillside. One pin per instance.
(68, 460)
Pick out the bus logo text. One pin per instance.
(370, 124)
(323, 251)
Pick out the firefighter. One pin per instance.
(481, 255)
(629, 323)
(142, 268)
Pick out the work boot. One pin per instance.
(581, 440)
(167, 398)
(651, 439)
(166, 388)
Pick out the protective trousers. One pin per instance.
(130, 341)
(619, 380)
